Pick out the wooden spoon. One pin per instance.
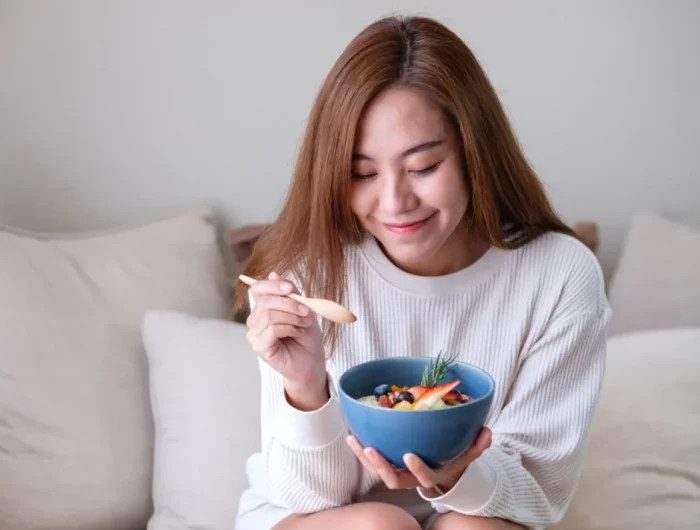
(325, 308)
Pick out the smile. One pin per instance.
(407, 228)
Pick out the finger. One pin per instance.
(359, 453)
(425, 476)
(277, 303)
(281, 303)
(482, 442)
(391, 477)
(274, 285)
(259, 324)
(278, 319)
(264, 342)
(273, 334)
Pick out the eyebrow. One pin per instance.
(412, 150)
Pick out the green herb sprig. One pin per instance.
(437, 370)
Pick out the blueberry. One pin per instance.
(382, 390)
(404, 396)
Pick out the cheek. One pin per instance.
(447, 192)
(359, 199)
(460, 193)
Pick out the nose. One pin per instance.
(397, 195)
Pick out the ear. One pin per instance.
(241, 241)
(587, 232)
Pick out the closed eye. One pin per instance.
(360, 176)
(426, 171)
(420, 172)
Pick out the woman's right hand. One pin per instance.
(286, 335)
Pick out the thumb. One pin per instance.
(291, 287)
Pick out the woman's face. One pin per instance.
(408, 185)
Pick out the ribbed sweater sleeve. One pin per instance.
(308, 464)
(530, 472)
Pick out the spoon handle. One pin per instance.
(325, 308)
(247, 279)
(294, 296)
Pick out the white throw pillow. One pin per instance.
(76, 431)
(656, 284)
(205, 393)
(643, 465)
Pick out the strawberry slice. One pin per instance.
(433, 395)
(418, 391)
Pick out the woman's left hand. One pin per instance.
(418, 474)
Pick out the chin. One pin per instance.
(410, 253)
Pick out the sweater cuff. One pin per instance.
(474, 489)
(298, 429)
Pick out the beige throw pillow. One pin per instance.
(205, 393)
(642, 469)
(76, 431)
(656, 284)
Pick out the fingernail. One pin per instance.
(285, 288)
(303, 310)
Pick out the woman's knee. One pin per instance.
(457, 521)
(382, 516)
(364, 515)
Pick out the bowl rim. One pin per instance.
(483, 372)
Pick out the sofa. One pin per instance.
(129, 396)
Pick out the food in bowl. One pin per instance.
(436, 435)
(429, 394)
(417, 397)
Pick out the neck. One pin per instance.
(457, 253)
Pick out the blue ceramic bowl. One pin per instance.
(436, 436)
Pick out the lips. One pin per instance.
(407, 228)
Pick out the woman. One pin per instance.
(412, 204)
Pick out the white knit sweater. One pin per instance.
(534, 318)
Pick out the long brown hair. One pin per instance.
(508, 206)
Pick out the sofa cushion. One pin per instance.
(642, 469)
(76, 432)
(656, 284)
(206, 406)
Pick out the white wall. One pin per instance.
(113, 112)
